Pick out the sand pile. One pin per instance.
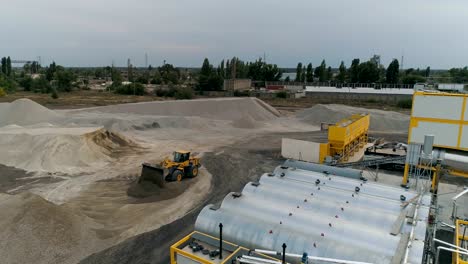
(332, 113)
(26, 112)
(64, 150)
(34, 230)
(217, 109)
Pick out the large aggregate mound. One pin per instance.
(332, 113)
(26, 112)
(218, 109)
(34, 230)
(52, 152)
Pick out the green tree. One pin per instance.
(412, 79)
(206, 68)
(4, 65)
(321, 72)
(41, 85)
(99, 73)
(8, 66)
(299, 72)
(341, 77)
(35, 67)
(428, 72)
(287, 79)
(50, 71)
(208, 79)
(26, 83)
(65, 79)
(303, 77)
(368, 72)
(221, 70)
(393, 72)
(309, 73)
(116, 77)
(354, 71)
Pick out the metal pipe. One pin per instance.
(450, 245)
(284, 253)
(330, 260)
(413, 223)
(448, 225)
(454, 199)
(343, 172)
(220, 240)
(448, 249)
(261, 259)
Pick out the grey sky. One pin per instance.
(95, 32)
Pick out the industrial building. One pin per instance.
(323, 215)
(307, 212)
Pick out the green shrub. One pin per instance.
(54, 94)
(183, 93)
(130, 89)
(282, 94)
(371, 101)
(238, 93)
(405, 103)
(41, 85)
(2, 92)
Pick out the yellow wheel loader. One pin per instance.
(183, 165)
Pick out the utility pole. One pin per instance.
(402, 61)
(146, 60)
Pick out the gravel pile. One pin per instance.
(388, 121)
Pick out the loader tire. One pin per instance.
(193, 171)
(177, 175)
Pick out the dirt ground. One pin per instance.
(238, 140)
(290, 106)
(232, 167)
(79, 99)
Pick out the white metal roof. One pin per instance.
(329, 219)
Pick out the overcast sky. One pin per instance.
(96, 32)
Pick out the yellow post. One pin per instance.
(434, 181)
(404, 182)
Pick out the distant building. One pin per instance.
(237, 84)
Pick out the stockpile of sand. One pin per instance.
(218, 109)
(34, 230)
(332, 113)
(67, 150)
(26, 112)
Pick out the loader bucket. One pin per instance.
(153, 173)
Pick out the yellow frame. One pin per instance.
(414, 121)
(459, 237)
(175, 249)
(346, 137)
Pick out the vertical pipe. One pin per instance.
(284, 253)
(463, 238)
(220, 240)
(405, 175)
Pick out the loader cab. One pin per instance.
(181, 156)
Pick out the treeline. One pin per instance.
(211, 79)
(370, 71)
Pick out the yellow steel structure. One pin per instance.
(177, 249)
(444, 115)
(345, 138)
(459, 237)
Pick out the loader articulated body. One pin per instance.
(183, 165)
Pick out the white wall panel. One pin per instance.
(445, 134)
(443, 107)
(464, 138)
(466, 111)
(300, 150)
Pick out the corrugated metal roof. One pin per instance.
(325, 219)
